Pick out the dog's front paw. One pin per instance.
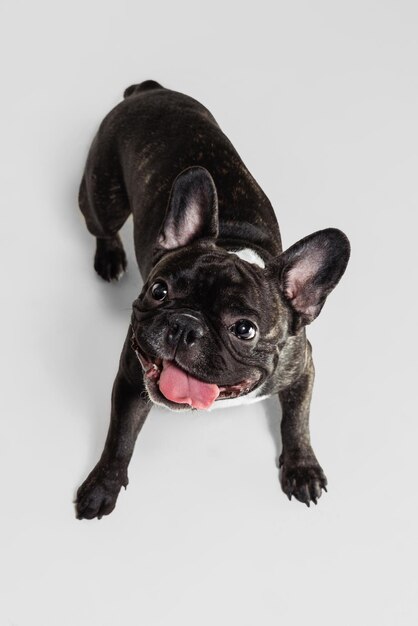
(98, 494)
(304, 481)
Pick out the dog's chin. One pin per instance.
(153, 369)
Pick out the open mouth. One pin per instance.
(181, 387)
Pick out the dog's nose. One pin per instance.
(185, 328)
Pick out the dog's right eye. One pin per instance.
(244, 329)
(159, 291)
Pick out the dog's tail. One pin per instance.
(144, 86)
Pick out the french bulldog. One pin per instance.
(222, 314)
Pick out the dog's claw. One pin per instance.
(304, 482)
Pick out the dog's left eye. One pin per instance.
(159, 291)
(244, 329)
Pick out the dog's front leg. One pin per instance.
(300, 473)
(130, 406)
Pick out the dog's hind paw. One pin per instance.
(304, 482)
(110, 258)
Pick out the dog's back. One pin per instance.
(140, 148)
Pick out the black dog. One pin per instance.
(222, 313)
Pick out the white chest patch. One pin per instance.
(249, 255)
(250, 398)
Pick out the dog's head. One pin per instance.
(209, 325)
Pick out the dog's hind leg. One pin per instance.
(105, 206)
(146, 85)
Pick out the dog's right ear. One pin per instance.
(192, 211)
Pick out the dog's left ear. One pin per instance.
(192, 211)
(310, 269)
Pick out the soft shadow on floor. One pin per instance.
(97, 326)
(273, 413)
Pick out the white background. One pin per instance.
(321, 101)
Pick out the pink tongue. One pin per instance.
(180, 387)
